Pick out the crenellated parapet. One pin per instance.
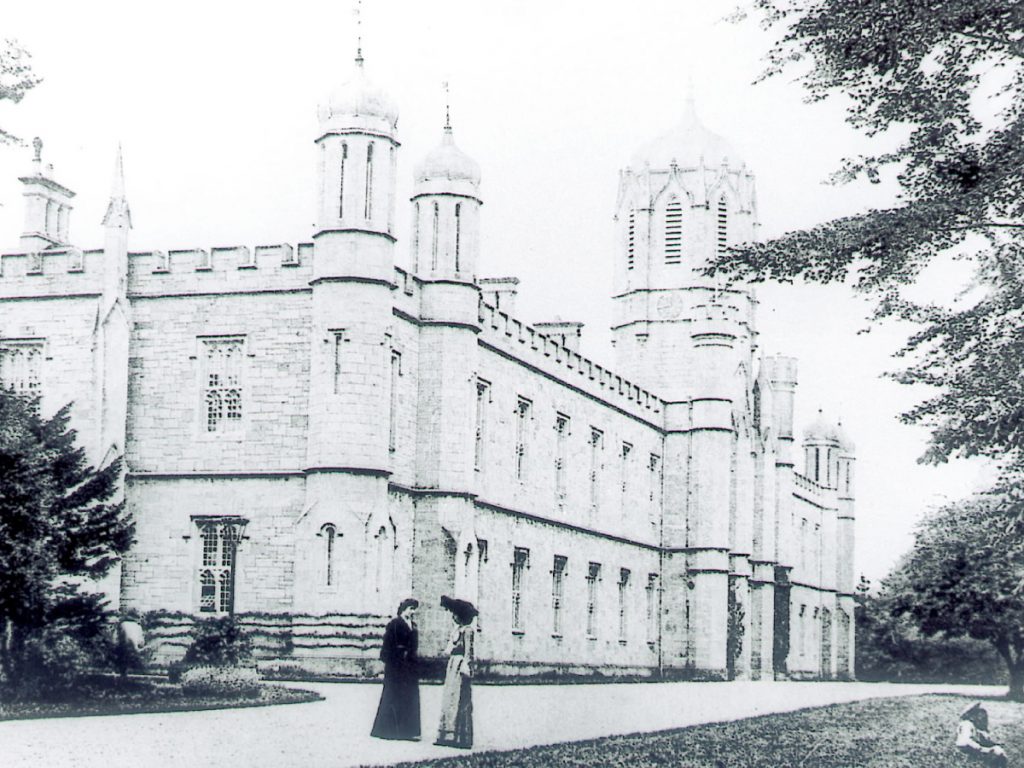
(548, 355)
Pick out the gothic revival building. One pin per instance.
(311, 434)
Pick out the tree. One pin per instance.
(958, 582)
(16, 79)
(921, 68)
(58, 527)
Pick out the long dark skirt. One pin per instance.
(456, 728)
(398, 716)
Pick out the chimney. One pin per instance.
(47, 206)
(500, 292)
(566, 332)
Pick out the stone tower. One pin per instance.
(350, 343)
(445, 248)
(684, 198)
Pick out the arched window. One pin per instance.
(433, 245)
(330, 534)
(382, 553)
(458, 232)
(756, 397)
(723, 226)
(673, 231)
(369, 181)
(341, 181)
(631, 240)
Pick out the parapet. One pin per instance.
(554, 358)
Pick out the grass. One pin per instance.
(107, 695)
(911, 732)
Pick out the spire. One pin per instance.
(689, 102)
(118, 214)
(359, 33)
(447, 109)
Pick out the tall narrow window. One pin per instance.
(755, 397)
(369, 181)
(458, 233)
(557, 593)
(723, 226)
(596, 446)
(631, 241)
(522, 427)
(383, 559)
(652, 607)
(339, 351)
(483, 395)
(416, 237)
(673, 231)
(433, 245)
(624, 470)
(396, 372)
(21, 366)
(341, 181)
(593, 577)
(220, 538)
(330, 535)
(520, 562)
(654, 472)
(623, 604)
(561, 441)
(222, 359)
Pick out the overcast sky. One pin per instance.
(215, 106)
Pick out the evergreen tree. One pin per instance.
(59, 526)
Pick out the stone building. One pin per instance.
(311, 433)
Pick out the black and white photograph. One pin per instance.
(409, 383)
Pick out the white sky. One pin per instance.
(215, 106)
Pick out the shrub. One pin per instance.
(218, 642)
(220, 681)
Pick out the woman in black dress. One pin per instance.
(398, 716)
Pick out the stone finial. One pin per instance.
(37, 145)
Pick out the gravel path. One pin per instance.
(335, 732)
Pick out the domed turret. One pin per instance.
(446, 213)
(688, 145)
(359, 103)
(448, 167)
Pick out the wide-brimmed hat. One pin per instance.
(463, 610)
(971, 711)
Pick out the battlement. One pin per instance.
(551, 356)
(220, 269)
(53, 272)
(815, 493)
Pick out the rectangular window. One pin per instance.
(654, 472)
(523, 407)
(624, 470)
(219, 538)
(561, 441)
(593, 577)
(483, 397)
(396, 371)
(339, 357)
(596, 446)
(520, 562)
(557, 593)
(223, 360)
(652, 607)
(21, 363)
(623, 604)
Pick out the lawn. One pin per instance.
(916, 732)
(108, 695)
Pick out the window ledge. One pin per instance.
(591, 637)
(556, 635)
(518, 632)
(623, 642)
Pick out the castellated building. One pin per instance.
(311, 434)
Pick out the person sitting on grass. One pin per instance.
(972, 737)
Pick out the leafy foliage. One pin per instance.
(57, 522)
(961, 580)
(16, 79)
(921, 70)
(219, 641)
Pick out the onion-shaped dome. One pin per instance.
(447, 161)
(687, 145)
(360, 102)
(822, 430)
